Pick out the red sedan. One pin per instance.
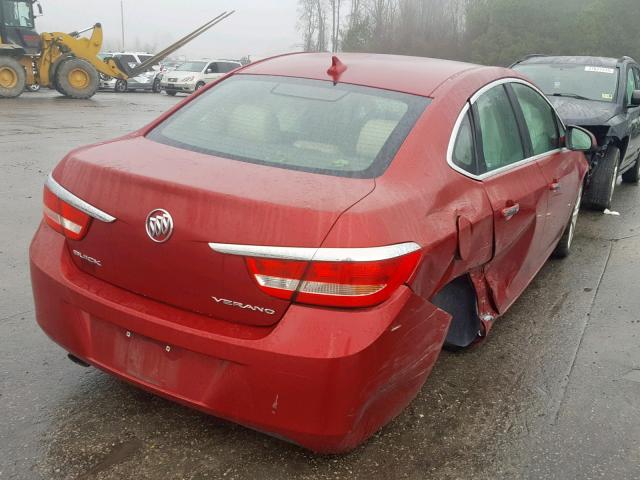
(291, 247)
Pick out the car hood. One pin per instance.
(583, 112)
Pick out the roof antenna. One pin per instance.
(337, 69)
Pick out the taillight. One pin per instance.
(68, 214)
(64, 218)
(359, 277)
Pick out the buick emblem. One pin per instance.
(159, 225)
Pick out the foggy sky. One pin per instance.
(258, 28)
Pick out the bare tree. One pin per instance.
(307, 23)
(321, 14)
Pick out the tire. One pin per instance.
(156, 86)
(171, 93)
(77, 78)
(603, 180)
(563, 248)
(33, 88)
(632, 175)
(121, 86)
(199, 85)
(13, 78)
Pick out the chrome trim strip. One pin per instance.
(460, 119)
(65, 195)
(367, 254)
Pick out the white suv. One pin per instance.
(190, 76)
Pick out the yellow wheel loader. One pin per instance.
(66, 62)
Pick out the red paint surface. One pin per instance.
(325, 378)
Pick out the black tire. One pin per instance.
(171, 93)
(77, 78)
(121, 86)
(156, 85)
(458, 298)
(633, 174)
(33, 88)
(563, 248)
(13, 78)
(199, 85)
(603, 180)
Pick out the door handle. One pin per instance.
(554, 187)
(509, 212)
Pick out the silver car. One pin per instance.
(146, 81)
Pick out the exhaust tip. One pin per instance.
(77, 361)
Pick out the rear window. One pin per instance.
(298, 124)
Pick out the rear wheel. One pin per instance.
(603, 180)
(34, 88)
(632, 175)
(564, 246)
(156, 85)
(13, 78)
(171, 93)
(77, 78)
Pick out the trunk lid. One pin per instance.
(210, 199)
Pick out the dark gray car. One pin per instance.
(603, 96)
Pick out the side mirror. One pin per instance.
(39, 7)
(635, 99)
(581, 140)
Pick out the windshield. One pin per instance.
(298, 124)
(583, 81)
(191, 67)
(17, 14)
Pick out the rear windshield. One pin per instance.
(299, 124)
(580, 81)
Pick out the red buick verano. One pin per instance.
(291, 247)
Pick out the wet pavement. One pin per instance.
(554, 392)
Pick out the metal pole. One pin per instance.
(122, 21)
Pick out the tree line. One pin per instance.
(492, 32)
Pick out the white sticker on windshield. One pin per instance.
(599, 70)
(607, 96)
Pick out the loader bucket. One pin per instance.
(146, 66)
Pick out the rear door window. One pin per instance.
(539, 117)
(294, 123)
(225, 67)
(499, 132)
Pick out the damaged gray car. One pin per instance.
(603, 96)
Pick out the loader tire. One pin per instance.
(13, 78)
(77, 78)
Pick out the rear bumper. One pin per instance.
(325, 379)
